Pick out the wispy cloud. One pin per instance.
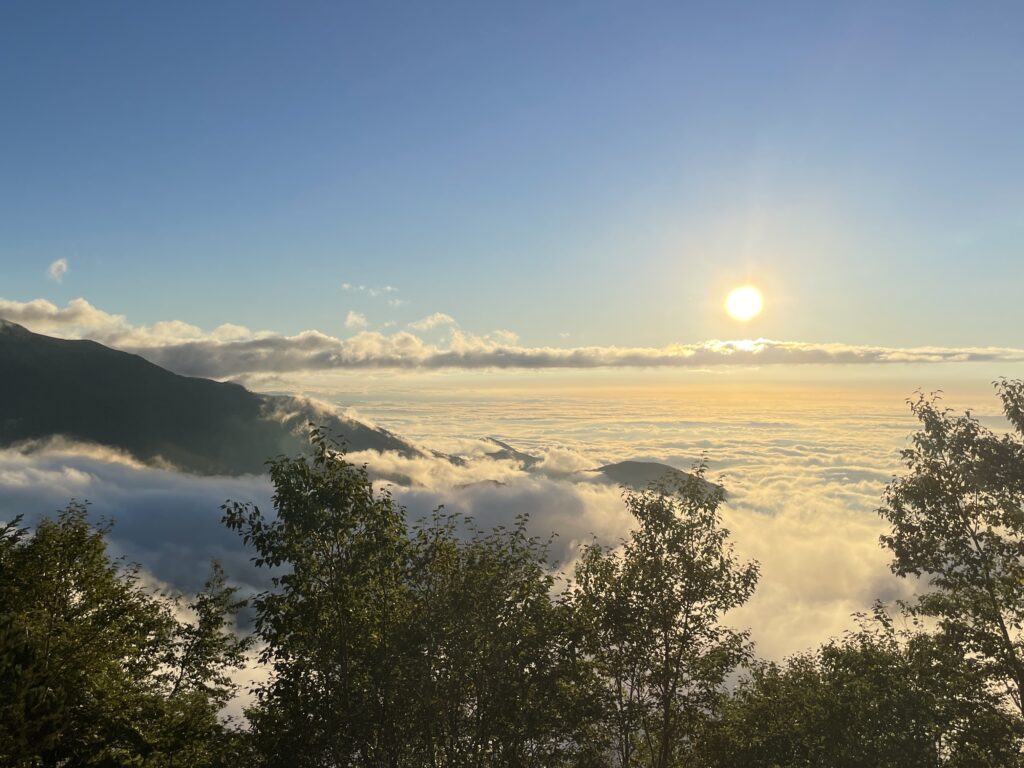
(231, 350)
(355, 319)
(369, 290)
(432, 321)
(57, 270)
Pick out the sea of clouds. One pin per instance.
(804, 477)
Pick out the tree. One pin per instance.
(88, 656)
(957, 523)
(500, 681)
(652, 620)
(879, 696)
(332, 623)
(194, 681)
(390, 645)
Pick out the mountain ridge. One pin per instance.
(85, 391)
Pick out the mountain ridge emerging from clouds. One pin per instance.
(83, 391)
(640, 475)
(633, 474)
(86, 392)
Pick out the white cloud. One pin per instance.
(820, 559)
(432, 321)
(80, 319)
(233, 350)
(508, 338)
(563, 461)
(803, 483)
(57, 270)
(167, 521)
(355, 319)
(385, 290)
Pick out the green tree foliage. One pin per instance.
(498, 680)
(395, 646)
(97, 670)
(957, 522)
(332, 624)
(651, 617)
(878, 697)
(439, 645)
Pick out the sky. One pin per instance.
(579, 174)
(522, 219)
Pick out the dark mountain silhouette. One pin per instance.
(84, 391)
(506, 452)
(640, 475)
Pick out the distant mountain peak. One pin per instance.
(506, 452)
(641, 475)
(86, 392)
(11, 328)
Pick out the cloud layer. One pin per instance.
(233, 350)
(803, 476)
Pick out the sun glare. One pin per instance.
(743, 303)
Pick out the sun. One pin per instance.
(744, 303)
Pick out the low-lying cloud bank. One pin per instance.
(819, 550)
(168, 522)
(233, 350)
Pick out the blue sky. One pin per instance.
(577, 172)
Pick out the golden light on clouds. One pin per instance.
(744, 303)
